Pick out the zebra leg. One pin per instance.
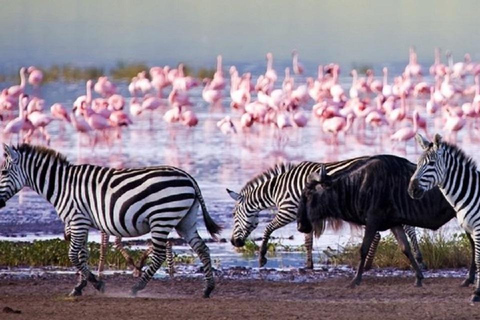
(401, 237)
(370, 232)
(103, 250)
(78, 255)
(170, 260)
(412, 235)
(372, 251)
(309, 248)
(275, 224)
(187, 229)
(159, 239)
(471, 273)
(476, 293)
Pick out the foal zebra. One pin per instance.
(448, 167)
(281, 186)
(119, 202)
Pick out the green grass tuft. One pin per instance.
(438, 253)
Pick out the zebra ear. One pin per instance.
(235, 196)
(424, 143)
(437, 139)
(10, 152)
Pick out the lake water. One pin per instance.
(215, 160)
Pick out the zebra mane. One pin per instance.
(268, 174)
(26, 148)
(460, 154)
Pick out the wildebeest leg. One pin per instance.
(401, 237)
(309, 248)
(471, 273)
(370, 232)
(412, 235)
(103, 249)
(275, 224)
(371, 251)
(119, 246)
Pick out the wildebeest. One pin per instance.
(374, 195)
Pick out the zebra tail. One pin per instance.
(213, 228)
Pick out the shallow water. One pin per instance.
(215, 160)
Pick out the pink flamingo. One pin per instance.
(386, 89)
(226, 126)
(406, 133)
(17, 90)
(20, 123)
(39, 121)
(210, 94)
(104, 87)
(299, 119)
(86, 98)
(35, 76)
(454, 123)
(135, 107)
(270, 74)
(59, 112)
(180, 97)
(189, 118)
(335, 125)
(116, 102)
(297, 66)
(246, 121)
(174, 114)
(218, 81)
(96, 121)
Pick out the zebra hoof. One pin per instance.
(262, 261)
(75, 293)
(207, 292)
(309, 265)
(353, 284)
(475, 298)
(100, 286)
(418, 283)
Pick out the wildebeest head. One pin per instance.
(313, 207)
(430, 167)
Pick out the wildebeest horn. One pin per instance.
(314, 176)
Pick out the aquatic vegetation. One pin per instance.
(439, 252)
(126, 71)
(55, 253)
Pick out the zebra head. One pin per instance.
(430, 167)
(245, 219)
(11, 177)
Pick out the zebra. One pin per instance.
(445, 165)
(119, 202)
(281, 186)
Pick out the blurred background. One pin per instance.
(350, 33)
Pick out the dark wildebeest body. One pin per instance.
(374, 195)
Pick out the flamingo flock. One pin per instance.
(446, 97)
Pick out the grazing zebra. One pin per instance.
(448, 167)
(119, 202)
(281, 187)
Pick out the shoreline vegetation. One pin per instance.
(121, 72)
(439, 252)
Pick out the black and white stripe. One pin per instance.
(446, 166)
(281, 187)
(119, 202)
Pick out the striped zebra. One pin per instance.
(119, 202)
(281, 187)
(448, 167)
